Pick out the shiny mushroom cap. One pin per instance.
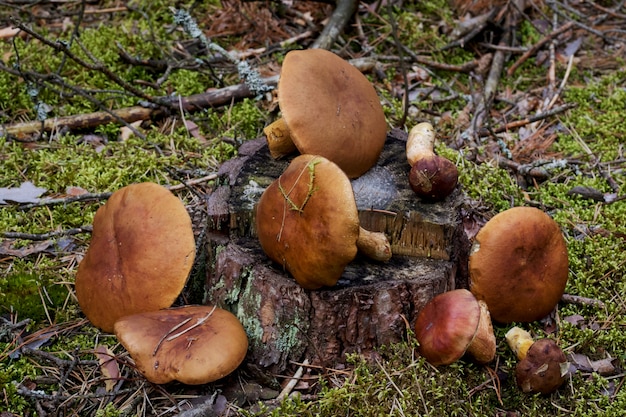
(331, 109)
(141, 251)
(452, 324)
(518, 265)
(191, 344)
(543, 369)
(307, 222)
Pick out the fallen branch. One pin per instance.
(106, 195)
(576, 299)
(532, 50)
(292, 382)
(48, 235)
(530, 119)
(213, 98)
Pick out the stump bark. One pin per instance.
(373, 302)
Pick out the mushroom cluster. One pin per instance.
(432, 177)
(518, 270)
(141, 252)
(307, 221)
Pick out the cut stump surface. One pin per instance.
(372, 302)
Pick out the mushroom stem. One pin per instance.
(432, 177)
(374, 245)
(519, 340)
(279, 139)
(483, 347)
(420, 143)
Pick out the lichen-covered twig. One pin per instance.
(249, 75)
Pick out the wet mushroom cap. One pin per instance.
(191, 344)
(332, 110)
(447, 325)
(543, 369)
(519, 265)
(307, 221)
(141, 251)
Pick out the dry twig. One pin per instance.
(343, 12)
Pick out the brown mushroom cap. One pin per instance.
(543, 369)
(191, 344)
(451, 324)
(307, 221)
(332, 110)
(518, 265)
(141, 251)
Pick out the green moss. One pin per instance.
(485, 183)
(597, 122)
(13, 372)
(29, 295)
(400, 383)
(242, 120)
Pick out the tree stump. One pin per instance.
(373, 302)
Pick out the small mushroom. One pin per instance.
(142, 249)
(518, 265)
(307, 221)
(190, 344)
(542, 365)
(432, 177)
(329, 108)
(453, 324)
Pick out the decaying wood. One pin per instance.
(196, 102)
(372, 301)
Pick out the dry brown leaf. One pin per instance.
(126, 132)
(7, 248)
(8, 32)
(108, 366)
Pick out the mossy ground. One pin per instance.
(399, 382)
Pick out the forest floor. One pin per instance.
(527, 98)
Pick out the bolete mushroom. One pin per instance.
(518, 265)
(453, 324)
(307, 221)
(142, 249)
(542, 365)
(329, 108)
(432, 177)
(190, 344)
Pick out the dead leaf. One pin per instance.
(126, 132)
(575, 319)
(8, 32)
(602, 367)
(194, 131)
(108, 366)
(27, 192)
(581, 362)
(7, 248)
(73, 191)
